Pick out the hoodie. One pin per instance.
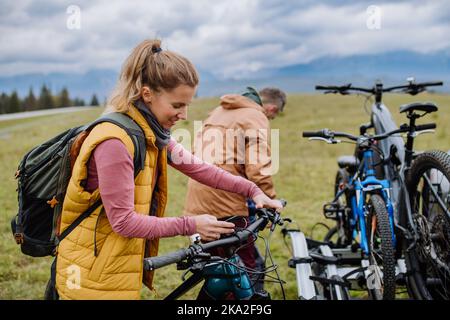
(230, 138)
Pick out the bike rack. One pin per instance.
(332, 269)
(347, 263)
(302, 263)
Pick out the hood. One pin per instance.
(236, 101)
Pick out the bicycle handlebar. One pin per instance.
(313, 134)
(240, 237)
(162, 261)
(411, 88)
(342, 89)
(328, 134)
(431, 84)
(428, 126)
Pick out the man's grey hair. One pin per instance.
(274, 96)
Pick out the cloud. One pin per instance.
(228, 39)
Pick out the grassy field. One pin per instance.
(305, 179)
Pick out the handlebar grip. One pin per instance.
(427, 126)
(430, 84)
(311, 134)
(283, 202)
(162, 261)
(319, 87)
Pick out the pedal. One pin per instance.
(331, 210)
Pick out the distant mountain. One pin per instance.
(391, 68)
(84, 85)
(395, 63)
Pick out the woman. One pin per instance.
(102, 258)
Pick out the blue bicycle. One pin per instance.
(363, 210)
(420, 190)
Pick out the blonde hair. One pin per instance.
(149, 65)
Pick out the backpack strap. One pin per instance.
(78, 220)
(133, 130)
(137, 136)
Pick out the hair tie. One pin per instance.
(156, 49)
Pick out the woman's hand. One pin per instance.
(210, 228)
(263, 201)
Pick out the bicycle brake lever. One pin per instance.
(418, 133)
(329, 141)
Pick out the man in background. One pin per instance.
(244, 117)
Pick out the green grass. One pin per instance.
(305, 179)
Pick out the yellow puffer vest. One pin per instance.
(117, 270)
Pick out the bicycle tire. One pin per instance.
(421, 266)
(342, 176)
(329, 235)
(383, 233)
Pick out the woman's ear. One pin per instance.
(147, 94)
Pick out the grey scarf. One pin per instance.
(162, 135)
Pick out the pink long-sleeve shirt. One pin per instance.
(111, 170)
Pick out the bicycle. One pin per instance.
(371, 222)
(381, 121)
(225, 277)
(420, 190)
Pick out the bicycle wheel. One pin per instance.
(331, 236)
(340, 233)
(428, 262)
(381, 284)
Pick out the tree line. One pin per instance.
(10, 103)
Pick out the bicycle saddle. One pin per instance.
(427, 107)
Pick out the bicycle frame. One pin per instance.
(363, 188)
(383, 122)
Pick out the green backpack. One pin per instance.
(43, 176)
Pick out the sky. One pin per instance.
(226, 40)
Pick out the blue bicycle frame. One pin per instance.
(358, 200)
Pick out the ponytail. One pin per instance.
(149, 65)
